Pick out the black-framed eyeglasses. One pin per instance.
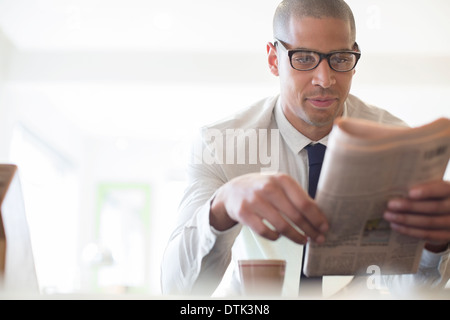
(305, 60)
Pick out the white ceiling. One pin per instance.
(238, 25)
(136, 24)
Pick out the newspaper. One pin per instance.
(365, 165)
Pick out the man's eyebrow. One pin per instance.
(309, 49)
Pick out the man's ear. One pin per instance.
(272, 58)
(356, 48)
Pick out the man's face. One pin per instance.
(312, 99)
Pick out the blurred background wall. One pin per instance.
(99, 100)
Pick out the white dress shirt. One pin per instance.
(197, 256)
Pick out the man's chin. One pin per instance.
(323, 119)
(321, 123)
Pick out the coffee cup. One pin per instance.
(263, 277)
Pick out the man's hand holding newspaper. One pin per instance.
(382, 191)
(424, 214)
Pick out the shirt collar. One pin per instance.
(294, 139)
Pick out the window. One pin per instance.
(50, 187)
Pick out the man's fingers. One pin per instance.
(292, 223)
(431, 190)
(424, 221)
(295, 207)
(433, 206)
(269, 222)
(310, 213)
(425, 214)
(272, 206)
(430, 235)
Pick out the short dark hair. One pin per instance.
(311, 8)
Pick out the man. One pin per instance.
(234, 209)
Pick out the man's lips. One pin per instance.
(322, 102)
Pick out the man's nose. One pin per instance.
(323, 75)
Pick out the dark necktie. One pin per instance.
(315, 159)
(312, 286)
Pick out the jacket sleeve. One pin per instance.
(432, 276)
(197, 255)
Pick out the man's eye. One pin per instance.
(304, 59)
(342, 58)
